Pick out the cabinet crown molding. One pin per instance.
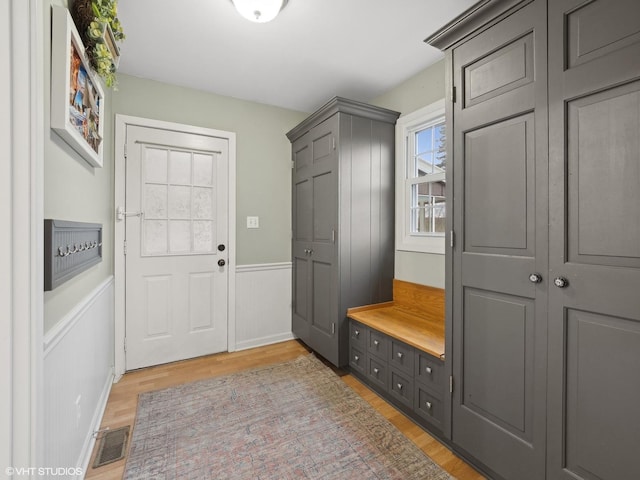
(342, 105)
(480, 16)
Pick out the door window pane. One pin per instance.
(179, 201)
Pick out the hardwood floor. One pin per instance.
(121, 407)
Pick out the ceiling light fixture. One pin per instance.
(260, 11)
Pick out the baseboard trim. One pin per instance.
(90, 441)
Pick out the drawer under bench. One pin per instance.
(408, 377)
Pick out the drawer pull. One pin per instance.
(356, 358)
(375, 370)
(399, 386)
(376, 343)
(356, 333)
(400, 355)
(428, 405)
(429, 370)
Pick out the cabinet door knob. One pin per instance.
(535, 278)
(356, 358)
(429, 370)
(428, 405)
(375, 370)
(356, 333)
(560, 282)
(400, 355)
(376, 343)
(399, 386)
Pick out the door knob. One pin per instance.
(560, 282)
(535, 278)
(221, 262)
(221, 247)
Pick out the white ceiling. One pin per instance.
(314, 50)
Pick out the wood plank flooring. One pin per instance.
(122, 403)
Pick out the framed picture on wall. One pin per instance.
(76, 94)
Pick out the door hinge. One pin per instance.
(333, 142)
(293, 165)
(333, 236)
(450, 383)
(333, 328)
(453, 94)
(452, 238)
(125, 344)
(125, 247)
(125, 151)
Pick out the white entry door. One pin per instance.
(176, 245)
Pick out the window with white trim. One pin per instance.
(420, 180)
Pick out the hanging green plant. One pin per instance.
(100, 29)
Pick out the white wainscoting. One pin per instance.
(263, 304)
(78, 374)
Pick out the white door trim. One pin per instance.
(122, 121)
(21, 292)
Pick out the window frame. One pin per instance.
(407, 125)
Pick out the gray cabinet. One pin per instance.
(342, 219)
(544, 275)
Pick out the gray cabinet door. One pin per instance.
(315, 213)
(594, 319)
(302, 226)
(500, 219)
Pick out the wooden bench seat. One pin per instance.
(415, 316)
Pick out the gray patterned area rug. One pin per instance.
(295, 420)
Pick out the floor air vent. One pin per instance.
(112, 447)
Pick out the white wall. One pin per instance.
(78, 373)
(263, 304)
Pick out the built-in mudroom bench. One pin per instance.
(397, 349)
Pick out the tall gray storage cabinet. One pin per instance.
(343, 220)
(544, 275)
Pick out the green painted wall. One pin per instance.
(263, 160)
(419, 91)
(74, 190)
